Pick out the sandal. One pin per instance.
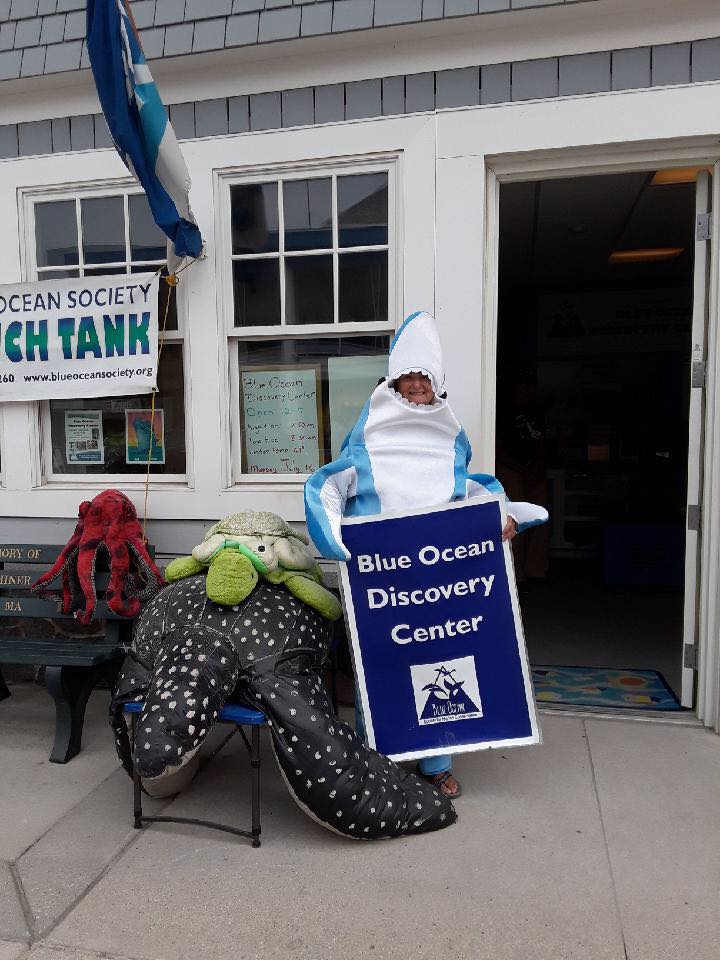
(440, 782)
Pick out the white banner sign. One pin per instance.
(89, 337)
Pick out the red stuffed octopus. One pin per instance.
(108, 522)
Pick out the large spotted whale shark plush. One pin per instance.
(261, 640)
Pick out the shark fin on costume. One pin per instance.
(416, 348)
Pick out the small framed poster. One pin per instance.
(144, 436)
(84, 442)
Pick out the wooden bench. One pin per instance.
(73, 665)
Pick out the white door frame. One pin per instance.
(623, 159)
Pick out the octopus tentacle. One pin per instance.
(150, 579)
(87, 557)
(62, 567)
(116, 599)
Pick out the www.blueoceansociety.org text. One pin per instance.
(381, 597)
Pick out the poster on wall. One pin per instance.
(281, 419)
(87, 337)
(435, 631)
(144, 436)
(84, 442)
(351, 380)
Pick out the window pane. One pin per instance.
(84, 442)
(105, 271)
(58, 274)
(56, 234)
(309, 289)
(103, 226)
(307, 209)
(363, 209)
(254, 215)
(299, 398)
(147, 241)
(364, 287)
(257, 292)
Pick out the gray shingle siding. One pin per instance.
(457, 88)
(244, 22)
(706, 60)
(279, 24)
(33, 62)
(298, 107)
(496, 83)
(62, 57)
(637, 68)
(420, 92)
(400, 11)
(242, 29)
(584, 73)
(671, 64)
(631, 68)
(316, 19)
(7, 35)
(330, 103)
(27, 32)
(169, 11)
(363, 98)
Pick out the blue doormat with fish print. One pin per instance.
(599, 687)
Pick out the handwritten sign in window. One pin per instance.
(281, 419)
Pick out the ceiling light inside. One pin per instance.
(677, 175)
(646, 255)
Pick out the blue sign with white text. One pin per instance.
(439, 654)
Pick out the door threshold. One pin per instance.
(671, 717)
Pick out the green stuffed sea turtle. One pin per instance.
(241, 548)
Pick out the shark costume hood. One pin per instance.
(401, 455)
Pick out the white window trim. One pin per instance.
(390, 163)
(41, 451)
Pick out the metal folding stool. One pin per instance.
(240, 717)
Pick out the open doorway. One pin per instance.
(595, 317)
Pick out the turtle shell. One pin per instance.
(254, 523)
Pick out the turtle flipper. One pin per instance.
(314, 595)
(182, 567)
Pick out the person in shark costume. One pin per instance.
(246, 618)
(406, 451)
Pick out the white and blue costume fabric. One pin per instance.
(401, 455)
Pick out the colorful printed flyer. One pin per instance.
(84, 436)
(144, 440)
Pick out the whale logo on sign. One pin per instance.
(446, 691)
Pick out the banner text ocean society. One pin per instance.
(122, 332)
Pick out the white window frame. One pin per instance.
(44, 475)
(389, 163)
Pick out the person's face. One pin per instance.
(415, 387)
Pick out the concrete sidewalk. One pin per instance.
(602, 844)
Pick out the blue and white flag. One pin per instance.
(139, 123)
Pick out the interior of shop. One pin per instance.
(594, 329)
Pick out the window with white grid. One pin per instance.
(311, 294)
(98, 233)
